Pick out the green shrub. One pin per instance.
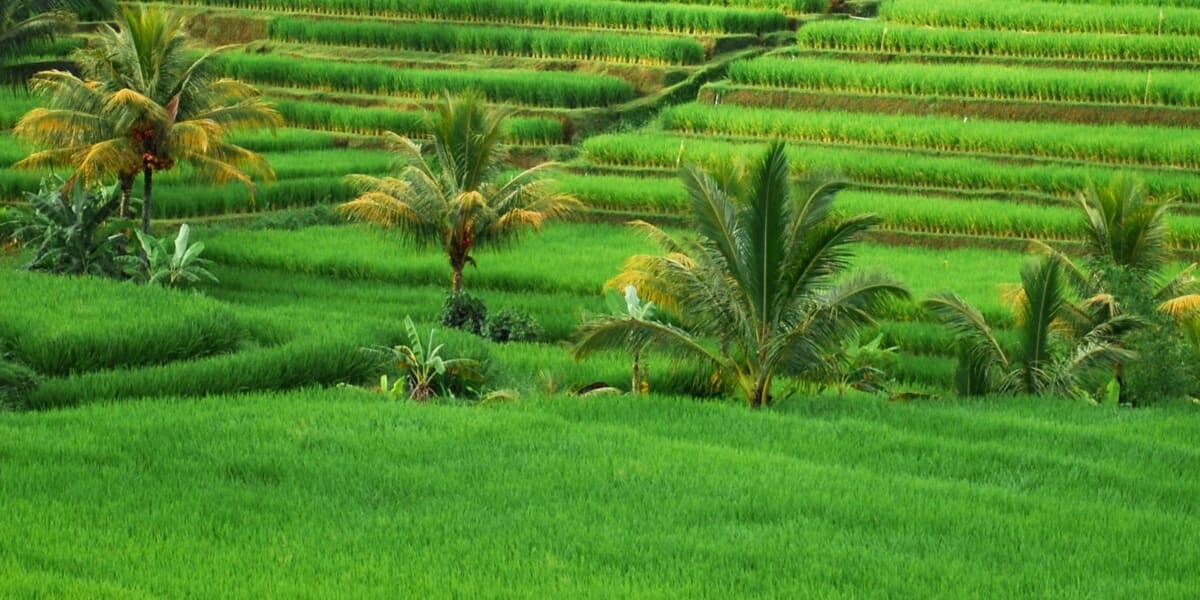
(17, 382)
(512, 325)
(69, 234)
(464, 311)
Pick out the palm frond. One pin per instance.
(634, 335)
(971, 331)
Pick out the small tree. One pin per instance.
(761, 292)
(1053, 356)
(454, 201)
(144, 104)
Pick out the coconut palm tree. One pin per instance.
(761, 292)
(1054, 356)
(454, 200)
(143, 104)
(1126, 248)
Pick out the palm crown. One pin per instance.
(144, 102)
(764, 280)
(455, 201)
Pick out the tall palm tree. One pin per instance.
(1054, 355)
(760, 293)
(454, 202)
(143, 104)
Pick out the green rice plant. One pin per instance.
(59, 325)
(972, 81)
(291, 139)
(1121, 144)
(616, 193)
(596, 14)
(548, 262)
(377, 120)
(858, 36)
(503, 41)
(15, 101)
(183, 201)
(789, 6)
(986, 495)
(1020, 15)
(655, 151)
(16, 383)
(303, 363)
(570, 90)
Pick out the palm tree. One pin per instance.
(144, 103)
(1046, 323)
(456, 203)
(760, 293)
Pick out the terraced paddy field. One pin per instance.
(235, 441)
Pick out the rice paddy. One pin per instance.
(234, 440)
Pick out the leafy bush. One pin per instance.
(512, 325)
(71, 234)
(424, 371)
(464, 311)
(17, 382)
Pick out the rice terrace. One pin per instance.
(599, 298)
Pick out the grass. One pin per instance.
(339, 493)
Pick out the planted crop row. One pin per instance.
(507, 41)
(724, 92)
(861, 36)
(606, 14)
(189, 201)
(875, 167)
(58, 325)
(899, 211)
(376, 120)
(973, 81)
(1015, 15)
(526, 87)
(1111, 143)
(290, 139)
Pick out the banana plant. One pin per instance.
(171, 265)
(424, 367)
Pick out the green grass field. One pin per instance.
(338, 493)
(232, 441)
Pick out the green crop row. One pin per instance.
(193, 200)
(973, 81)
(904, 212)
(507, 41)
(289, 139)
(58, 326)
(1162, 146)
(1179, 3)
(861, 36)
(303, 363)
(526, 87)
(608, 14)
(789, 6)
(656, 151)
(1016, 15)
(376, 120)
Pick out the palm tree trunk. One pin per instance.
(126, 192)
(456, 283)
(147, 182)
(636, 384)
